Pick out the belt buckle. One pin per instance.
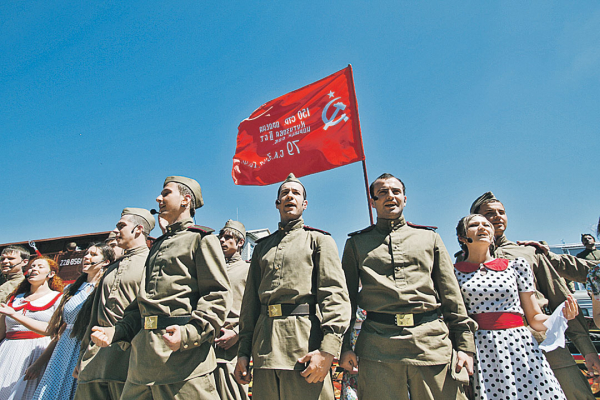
(405, 320)
(151, 322)
(275, 310)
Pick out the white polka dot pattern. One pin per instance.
(509, 363)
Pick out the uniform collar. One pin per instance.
(234, 258)
(179, 226)
(14, 276)
(497, 264)
(135, 250)
(502, 241)
(292, 225)
(389, 225)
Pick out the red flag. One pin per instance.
(312, 129)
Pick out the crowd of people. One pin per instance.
(188, 318)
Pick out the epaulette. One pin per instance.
(431, 228)
(310, 228)
(203, 230)
(367, 229)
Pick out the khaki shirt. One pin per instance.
(12, 281)
(551, 291)
(295, 265)
(237, 271)
(185, 274)
(570, 267)
(118, 288)
(405, 269)
(591, 255)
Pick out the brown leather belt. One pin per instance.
(162, 321)
(285, 310)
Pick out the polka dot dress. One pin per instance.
(509, 363)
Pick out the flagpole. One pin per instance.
(356, 122)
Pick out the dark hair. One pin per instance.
(461, 233)
(233, 232)
(488, 201)
(383, 177)
(139, 221)
(186, 191)
(55, 283)
(23, 252)
(56, 322)
(598, 228)
(303, 189)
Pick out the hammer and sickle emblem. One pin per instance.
(339, 106)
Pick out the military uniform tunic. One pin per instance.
(12, 281)
(185, 274)
(404, 269)
(118, 288)
(295, 265)
(228, 388)
(237, 271)
(590, 255)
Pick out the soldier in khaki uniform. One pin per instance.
(12, 261)
(551, 291)
(408, 284)
(103, 371)
(180, 308)
(232, 238)
(590, 252)
(295, 308)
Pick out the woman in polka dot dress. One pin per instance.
(497, 294)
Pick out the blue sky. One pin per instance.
(101, 101)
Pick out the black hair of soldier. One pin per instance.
(461, 232)
(22, 251)
(83, 317)
(384, 176)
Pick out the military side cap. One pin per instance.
(236, 226)
(140, 212)
(292, 178)
(191, 184)
(480, 200)
(111, 236)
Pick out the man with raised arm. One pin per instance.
(102, 372)
(295, 308)
(551, 291)
(181, 306)
(417, 337)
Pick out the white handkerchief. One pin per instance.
(555, 335)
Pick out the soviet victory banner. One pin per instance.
(312, 129)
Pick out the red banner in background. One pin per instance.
(312, 129)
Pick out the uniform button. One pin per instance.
(185, 346)
(195, 343)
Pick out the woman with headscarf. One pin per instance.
(498, 293)
(23, 323)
